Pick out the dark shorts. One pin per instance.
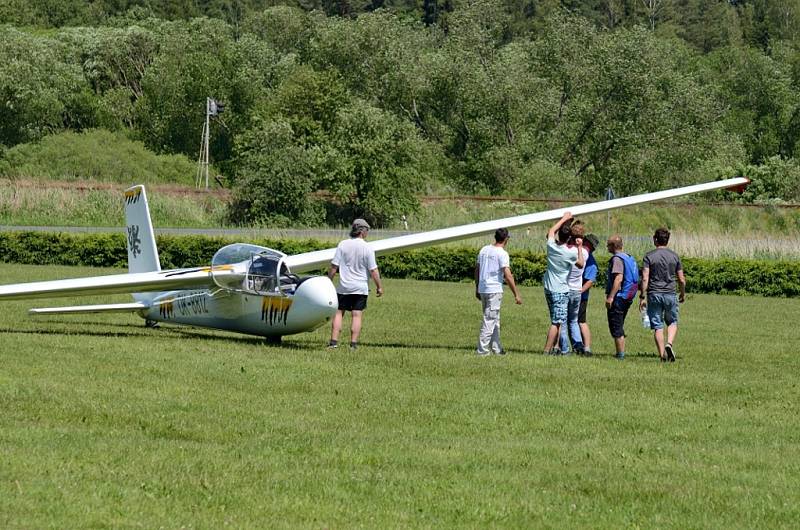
(352, 302)
(582, 311)
(616, 316)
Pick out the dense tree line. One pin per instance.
(338, 108)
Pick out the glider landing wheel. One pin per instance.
(150, 324)
(273, 340)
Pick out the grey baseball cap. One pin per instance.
(359, 224)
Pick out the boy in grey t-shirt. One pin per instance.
(662, 271)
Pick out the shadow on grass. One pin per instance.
(168, 332)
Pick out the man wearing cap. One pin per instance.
(354, 260)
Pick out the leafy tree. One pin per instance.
(276, 178)
(195, 60)
(763, 104)
(286, 29)
(777, 179)
(379, 163)
(39, 93)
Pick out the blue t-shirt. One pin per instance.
(589, 274)
(560, 259)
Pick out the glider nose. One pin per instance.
(317, 297)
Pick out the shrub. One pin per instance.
(741, 277)
(97, 154)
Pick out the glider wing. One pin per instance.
(310, 261)
(170, 280)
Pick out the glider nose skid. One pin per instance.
(315, 301)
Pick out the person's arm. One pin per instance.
(681, 286)
(643, 288)
(616, 281)
(477, 281)
(581, 259)
(616, 285)
(332, 270)
(511, 284)
(376, 277)
(589, 275)
(551, 234)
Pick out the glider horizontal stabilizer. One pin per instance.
(103, 308)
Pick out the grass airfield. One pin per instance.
(105, 423)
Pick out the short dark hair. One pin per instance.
(565, 231)
(661, 237)
(500, 235)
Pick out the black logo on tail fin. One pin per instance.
(133, 241)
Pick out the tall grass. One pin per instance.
(107, 423)
(60, 206)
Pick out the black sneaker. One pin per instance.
(670, 353)
(501, 352)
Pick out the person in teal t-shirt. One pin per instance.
(560, 259)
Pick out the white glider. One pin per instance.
(256, 290)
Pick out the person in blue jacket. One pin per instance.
(622, 284)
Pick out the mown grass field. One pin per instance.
(105, 423)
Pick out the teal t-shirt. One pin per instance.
(560, 259)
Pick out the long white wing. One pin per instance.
(201, 277)
(310, 261)
(196, 278)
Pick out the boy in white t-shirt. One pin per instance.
(492, 267)
(560, 259)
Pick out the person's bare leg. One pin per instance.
(552, 337)
(336, 326)
(619, 344)
(587, 336)
(672, 332)
(355, 326)
(658, 335)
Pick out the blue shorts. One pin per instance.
(557, 304)
(662, 308)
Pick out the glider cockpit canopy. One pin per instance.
(256, 270)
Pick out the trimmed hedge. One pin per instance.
(766, 278)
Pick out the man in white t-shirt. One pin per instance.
(354, 260)
(492, 267)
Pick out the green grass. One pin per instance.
(33, 205)
(108, 424)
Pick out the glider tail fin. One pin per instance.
(142, 252)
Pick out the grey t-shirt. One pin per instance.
(664, 265)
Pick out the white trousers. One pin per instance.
(490, 325)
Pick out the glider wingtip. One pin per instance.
(739, 188)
